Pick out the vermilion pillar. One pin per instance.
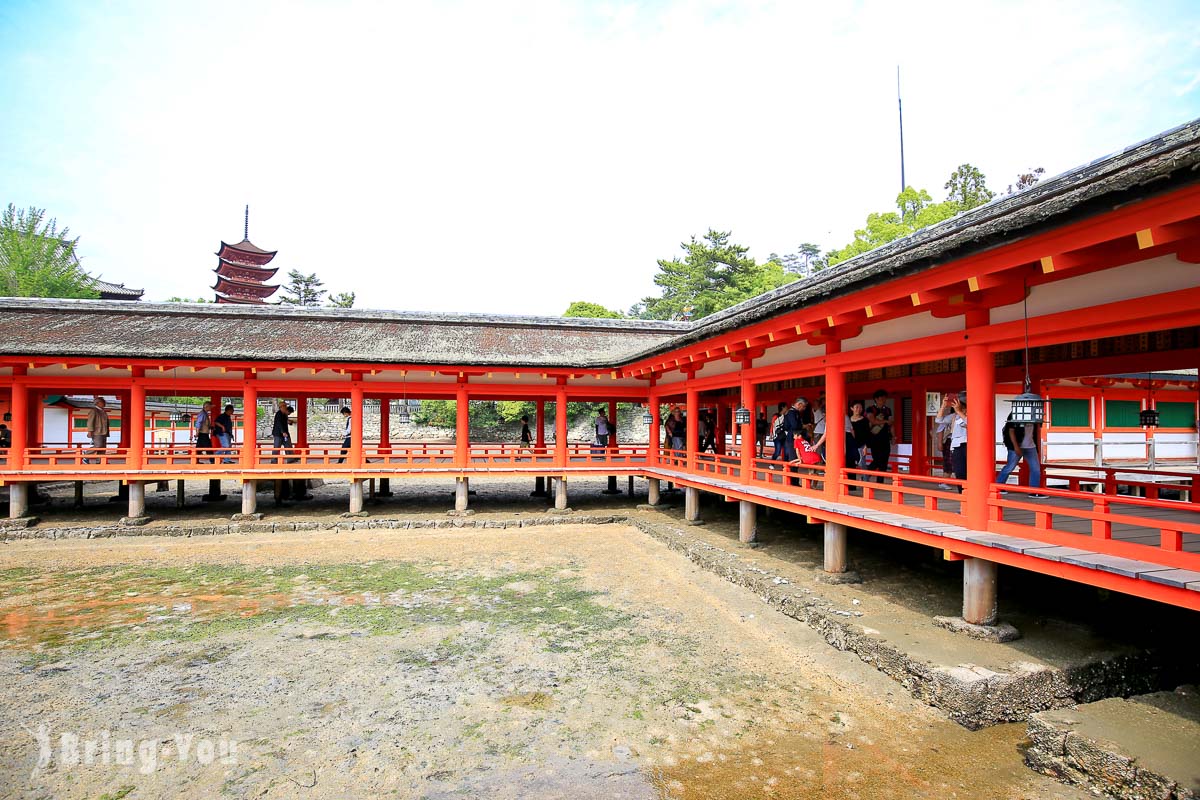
(137, 424)
(249, 426)
(693, 426)
(835, 430)
(652, 448)
(126, 423)
(20, 425)
(540, 441)
(301, 421)
(981, 433)
(749, 401)
(612, 423)
(356, 425)
(919, 463)
(385, 423)
(462, 425)
(560, 426)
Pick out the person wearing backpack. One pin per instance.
(778, 434)
(1021, 441)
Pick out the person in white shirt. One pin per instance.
(954, 416)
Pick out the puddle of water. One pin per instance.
(945, 762)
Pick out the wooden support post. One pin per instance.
(462, 493)
(654, 443)
(137, 500)
(693, 428)
(356, 496)
(301, 421)
(749, 400)
(249, 497)
(652, 495)
(136, 436)
(356, 430)
(835, 540)
(249, 426)
(19, 408)
(835, 431)
(747, 522)
(691, 504)
(979, 587)
(560, 493)
(180, 494)
(18, 499)
(560, 426)
(981, 442)
(78, 495)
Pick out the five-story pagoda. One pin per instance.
(242, 271)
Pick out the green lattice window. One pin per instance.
(1122, 414)
(1176, 415)
(1066, 413)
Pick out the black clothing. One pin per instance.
(861, 430)
(279, 427)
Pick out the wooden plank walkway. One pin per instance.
(1132, 568)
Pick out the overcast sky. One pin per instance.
(516, 156)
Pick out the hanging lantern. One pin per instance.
(1028, 407)
(178, 416)
(647, 418)
(8, 416)
(742, 416)
(1149, 418)
(402, 416)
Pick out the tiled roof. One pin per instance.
(289, 333)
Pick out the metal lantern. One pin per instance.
(1028, 407)
(647, 417)
(402, 416)
(1149, 418)
(8, 416)
(742, 416)
(178, 416)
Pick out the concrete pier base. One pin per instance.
(356, 497)
(835, 547)
(979, 591)
(560, 494)
(691, 504)
(653, 494)
(18, 500)
(137, 509)
(462, 493)
(747, 522)
(249, 497)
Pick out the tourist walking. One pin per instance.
(1022, 441)
(603, 428)
(202, 428)
(761, 427)
(347, 417)
(859, 430)
(281, 437)
(97, 428)
(678, 430)
(882, 434)
(526, 435)
(778, 435)
(223, 430)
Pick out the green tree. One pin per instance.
(582, 308)
(303, 290)
(177, 299)
(968, 187)
(713, 274)
(916, 210)
(342, 300)
(37, 259)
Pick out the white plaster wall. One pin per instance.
(1140, 279)
(916, 326)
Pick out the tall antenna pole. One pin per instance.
(900, 108)
(246, 232)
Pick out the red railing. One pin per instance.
(78, 457)
(1110, 480)
(1150, 536)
